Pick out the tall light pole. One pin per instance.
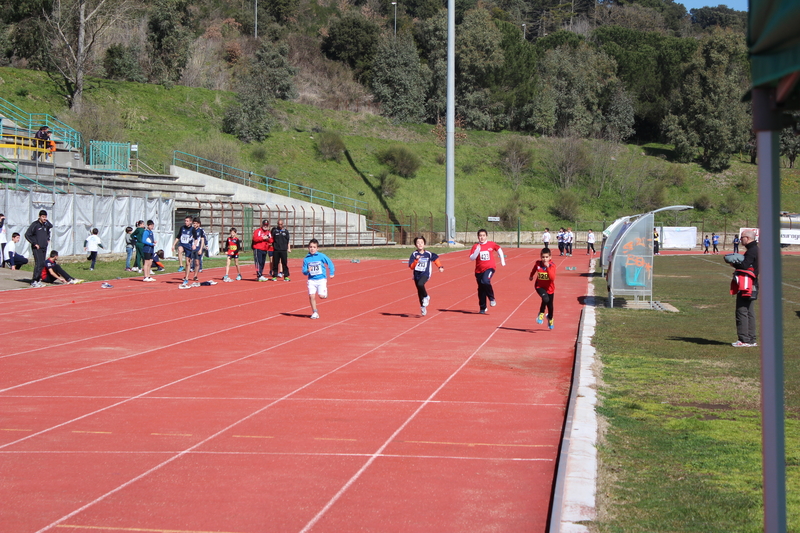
(255, 26)
(524, 37)
(395, 18)
(450, 182)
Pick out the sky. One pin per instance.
(738, 5)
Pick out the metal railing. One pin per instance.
(9, 168)
(33, 121)
(265, 183)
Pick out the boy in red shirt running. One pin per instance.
(544, 271)
(484, 267)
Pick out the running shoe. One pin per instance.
(274, 279)
(201, 270)
(181, 269)
(76, 281)
(239, 277)
(262, 278)
(226, 278)
(483, 311)
(212, 282)
(37, 284)
(280, 274)
(128, 270)
(91, 269)
(286, 279)
(540, 318)
(423, 310)
(160, 269)
(196, 284)
(550, 324)
(740, 344)
(315, 315)
(184, 286)
(492, 302)
(425, 302)
(185, 281)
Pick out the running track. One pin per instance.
(144, 408)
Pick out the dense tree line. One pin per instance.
(644, 70)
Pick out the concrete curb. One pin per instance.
(576, 478)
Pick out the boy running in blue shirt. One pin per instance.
(316, 266)
(420, 262)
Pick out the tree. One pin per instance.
(515, 160)
(169, 39)
(121, 63)
(74, 27)
(431, 37)
(707, 113)
(269, 76)
(397, 80)
(352, 39)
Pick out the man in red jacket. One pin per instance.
(262, 241)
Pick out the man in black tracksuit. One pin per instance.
(38, 235)
(281, 248)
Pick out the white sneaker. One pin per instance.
(426, 301)
(226, 279)
(196, 284)
(184, 286)
(280, 274)
(76, 281)
(212, 282)
(314, 315)
(262, 278)
(492, 302)
(423, 310)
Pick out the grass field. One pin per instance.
(682, 443)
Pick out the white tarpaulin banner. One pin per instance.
(75, 215)
(678, 237)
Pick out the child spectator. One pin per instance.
(158, 257)
(546, 238)
(484, 267)
(560, 238)
(544, 271)
(92, 244)
(198, 243)
(233, 244)
(590, 243)
(569, 240)
(420, 262)
(715, 242)
(128, 248)
(316, 266)
(138, 235)
(53, 273)
(706, 244)
(3, 239)
(736, 242)
(11, 257)
(148, 247)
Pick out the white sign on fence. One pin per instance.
(493, 219)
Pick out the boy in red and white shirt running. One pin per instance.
(544, 272)
(484, 267)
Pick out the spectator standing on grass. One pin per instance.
(53, 273)
(3, 238)
(745, 286)
(736, 244)
(261, 243)
(706, 244)
(183, 241)
(38, 235)
(485, 266)
(10, 255)
(92, 245)
(128, 248)
(138, 242)
(148, 249)
(655, 242)
(282, 247)
(546, 237)
(590, 243)
(715, 242)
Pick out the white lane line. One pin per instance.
(379, 451)
(238, 422)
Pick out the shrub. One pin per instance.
(702, 202)
(567, 206)
(401, 161)
(515, 158)
(330, 146)
(121, 63)
(441, 159)
(389, 184)
(731, 204)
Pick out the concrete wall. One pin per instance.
(248, 195)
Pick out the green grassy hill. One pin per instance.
(161, 120)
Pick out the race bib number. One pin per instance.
(233, 248)
(544, 276)
(422, 265)
(186, 238)
(485, 256)
(315, 268)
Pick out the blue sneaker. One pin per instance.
(239, 277)
(181, 269)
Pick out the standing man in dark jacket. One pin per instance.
(745, 315)
(38, 235)
(281, 247)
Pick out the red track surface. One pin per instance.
(224, 408)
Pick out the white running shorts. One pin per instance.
(318, 286)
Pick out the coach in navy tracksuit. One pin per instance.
(38, 235)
